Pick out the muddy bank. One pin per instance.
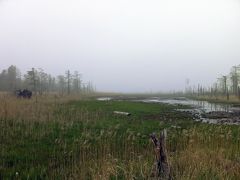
(202, 111)
(220, 117)
(214, 117)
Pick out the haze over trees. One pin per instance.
(38, 81)
(225, 85)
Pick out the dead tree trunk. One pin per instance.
(161, 169)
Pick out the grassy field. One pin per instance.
(57, 138)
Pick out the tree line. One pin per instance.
(225, 85)
(38, 81)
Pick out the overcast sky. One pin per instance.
(124, 45)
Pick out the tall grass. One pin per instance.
(220, 99)
(54, 138)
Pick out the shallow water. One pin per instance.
(202, 105)
(203, 111)
(104, 99)
(201, 108)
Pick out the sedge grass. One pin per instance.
(55, 138)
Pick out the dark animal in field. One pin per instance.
(24, 93)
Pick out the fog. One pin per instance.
(123, 46)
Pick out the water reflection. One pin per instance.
(200, 110)
(204, 111)
(203, 105)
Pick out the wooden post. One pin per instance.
(161, 168)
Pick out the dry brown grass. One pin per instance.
(48, 138)
(221, 99)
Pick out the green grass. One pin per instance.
(85, 140)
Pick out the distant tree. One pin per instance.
(31, 80)
(43, 81)
(12, 78)
(61, 83)
(39, 81)
(234, 78)
(3, 80)
(76, 81)
(90, 87)
(223, 84)
(51, 83)
(68, 78)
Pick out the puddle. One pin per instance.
(104, 99)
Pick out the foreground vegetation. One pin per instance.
(56, 138)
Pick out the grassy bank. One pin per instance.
(61, 139)
(233, 100)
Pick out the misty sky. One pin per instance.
(125, 45)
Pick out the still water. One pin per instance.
(203, 111)
(201, 105)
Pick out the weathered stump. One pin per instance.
(161, 168)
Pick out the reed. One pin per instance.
(62, 138)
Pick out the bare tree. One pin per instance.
(235, 79)
(61, 83)
(76, 82)
(68, 77)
